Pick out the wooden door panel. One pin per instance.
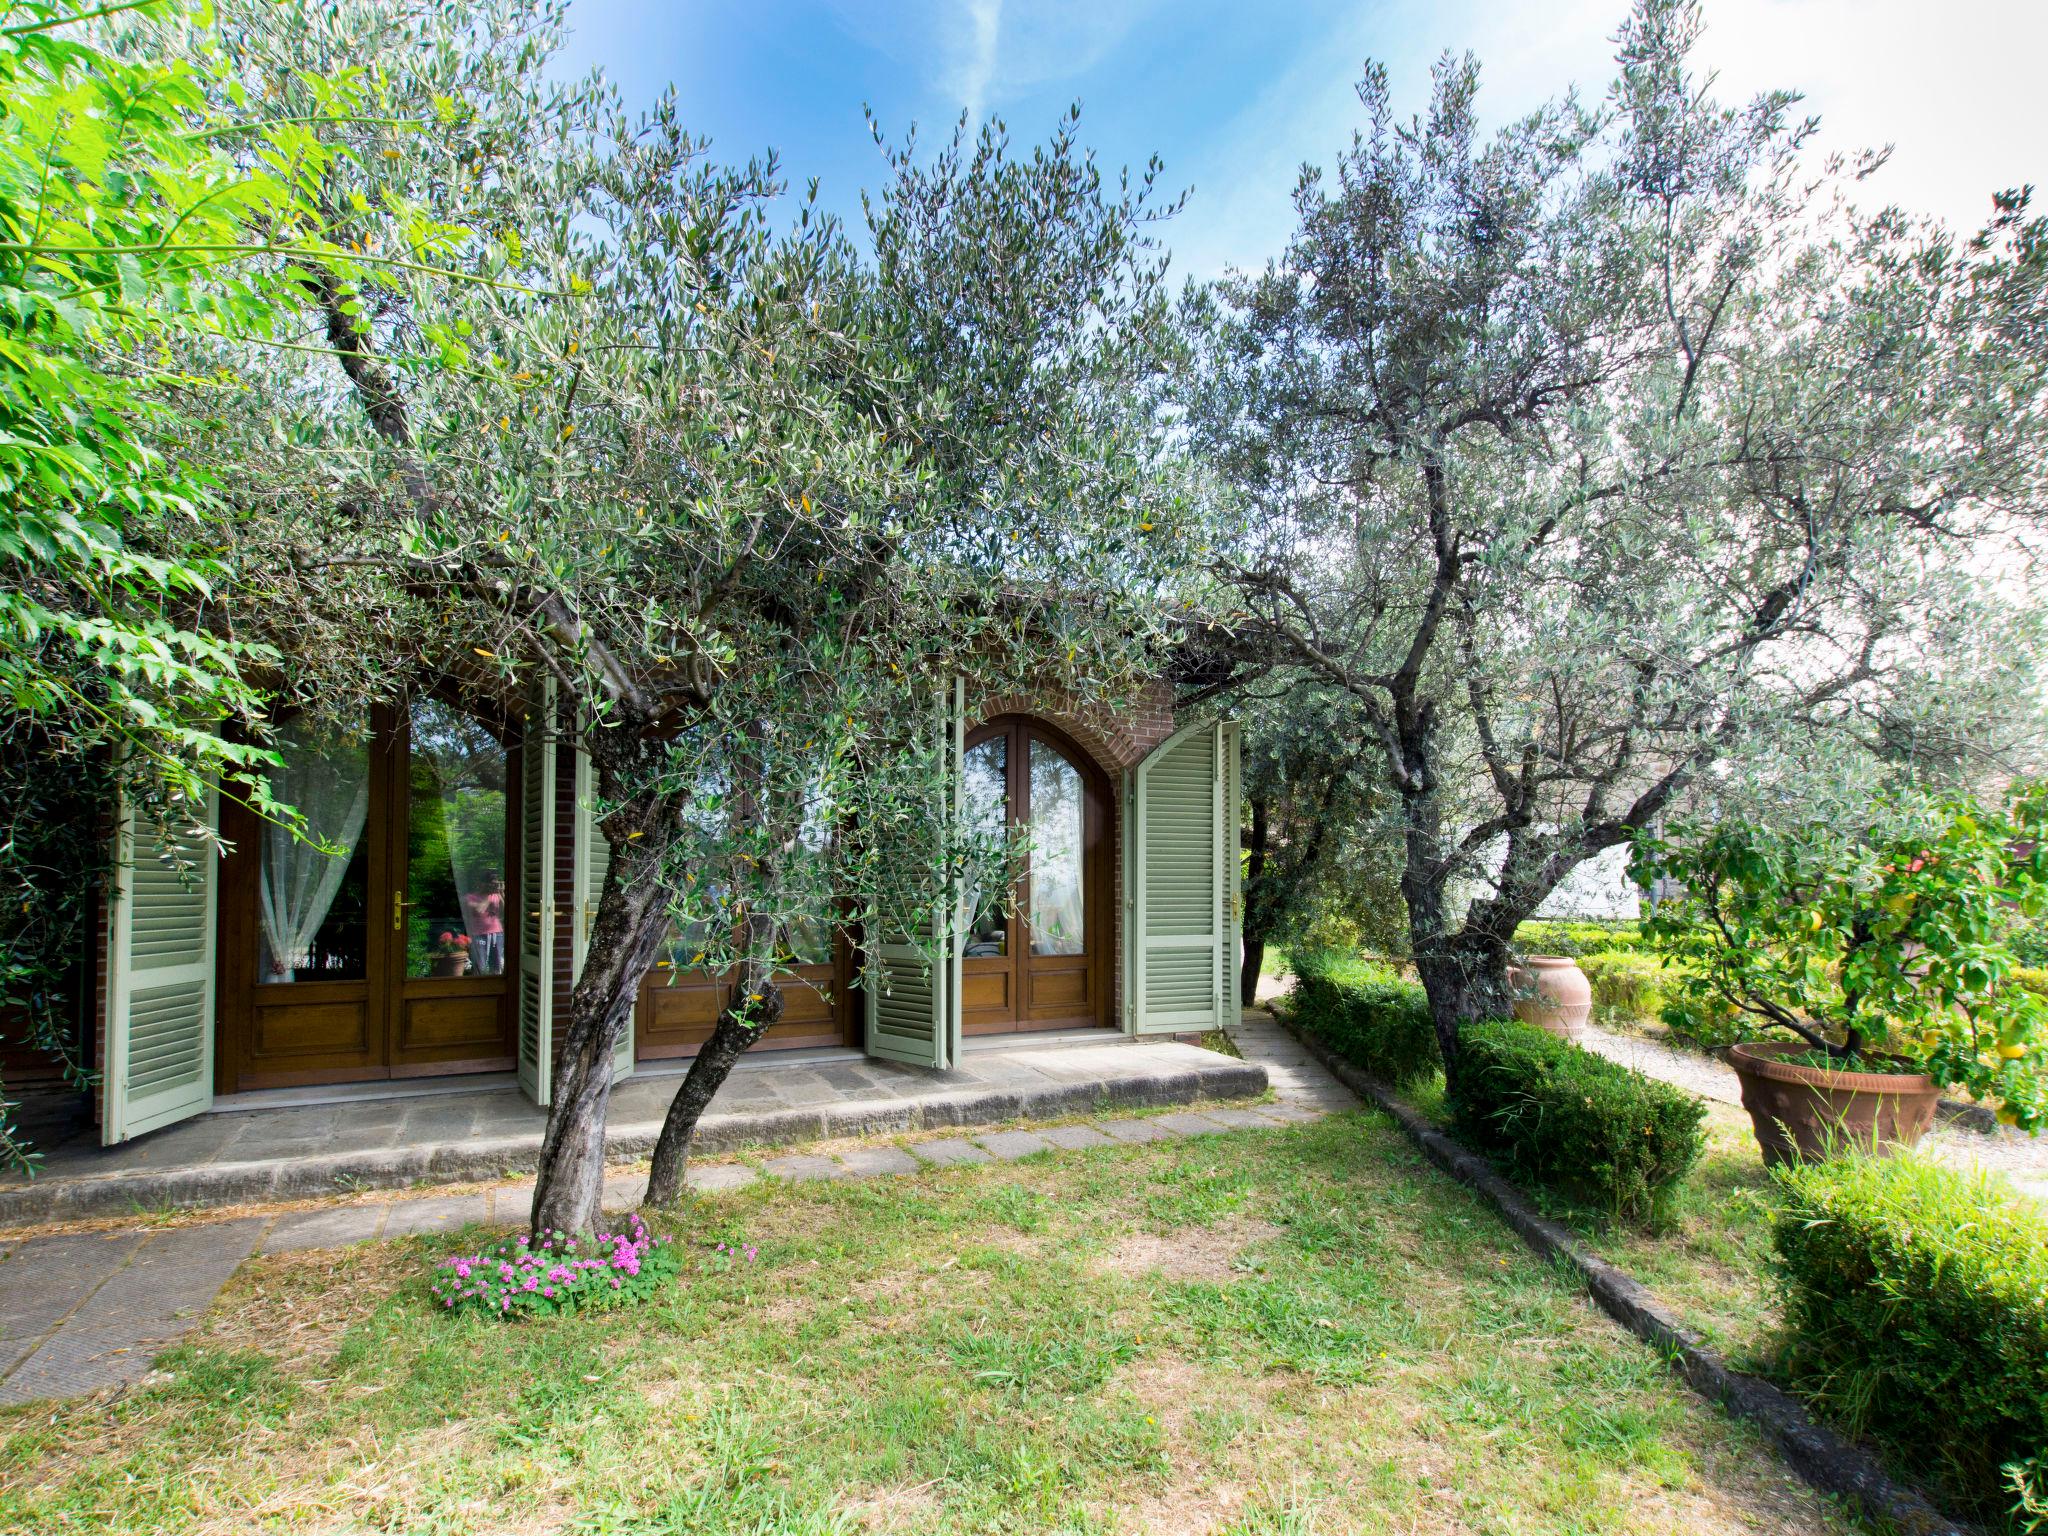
(301, 1027)
(676, 1017)
(1064, 992)
(439, 1028)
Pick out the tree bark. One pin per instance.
(1256, 844)
(1248, 972)
(630, 923)
(740, 1023)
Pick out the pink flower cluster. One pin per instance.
(558, 1269)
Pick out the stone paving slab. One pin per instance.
(307, 1151)
(803, 1165)
(949, 1152)
(1008, 1146)
(137, 1310)
(1136, 1132)
(441, 1214)
(865, 1162)
(1073, 1138)
(1187, 1124)
(297, 1231)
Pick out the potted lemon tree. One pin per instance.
(1881, 957)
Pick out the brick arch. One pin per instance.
(1117, 736)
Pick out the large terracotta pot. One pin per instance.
(1804, 1114)
(1553, 994)
(450, 965)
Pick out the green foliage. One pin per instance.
(1626, 982)
(1885, 938)
(1563, 1118)
(1320, 870)
(521, 1276)
(1916, 1311)
(1369, 1017)
(1705, 1022)
(1609, 450)
(53, 853)
(1543, 937)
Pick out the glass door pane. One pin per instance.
(313, 884)
(1057, 901)
(455, 845)
(987, 770)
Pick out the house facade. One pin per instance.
(434, 924)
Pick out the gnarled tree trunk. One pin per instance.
(630, 923)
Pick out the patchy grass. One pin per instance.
(1296, 1331)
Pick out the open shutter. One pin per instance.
(591, 857)
(1233, 861)
(537, 897)
(913, 1006)
(1181, 867)
(160, 926)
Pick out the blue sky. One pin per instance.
(1234, 96)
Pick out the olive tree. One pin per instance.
(744, 495)
(1613, 456)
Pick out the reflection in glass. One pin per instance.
(987, 794)
(455, 846)
(313, 891)
(1056, 909)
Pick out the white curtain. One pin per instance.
(1056, 854)
(472, 818)
(327, 778)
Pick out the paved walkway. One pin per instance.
(299, 1150)
(2022, 1158)
(84, 1311)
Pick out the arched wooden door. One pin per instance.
(1038, 957)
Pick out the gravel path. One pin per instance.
(2020, 1157)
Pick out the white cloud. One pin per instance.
(981, 53)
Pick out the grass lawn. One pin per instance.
(1271, 1332)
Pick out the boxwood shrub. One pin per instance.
(1580, 938)
(1370, 1017)
(1562, 1118)
(1625, 981)
(1916, 1311)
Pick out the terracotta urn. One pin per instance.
(451, 965)
(1552, 993)
(1804, 1114)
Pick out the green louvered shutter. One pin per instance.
(591, 858)
(913, 1006)
(1180, 875)
(160, 926)
(537, 898)
(1233, 861)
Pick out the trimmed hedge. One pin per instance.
(1626, 981)
(1580, 938)
(1916, 1309)
(1371, 1018)
(1564, 1118)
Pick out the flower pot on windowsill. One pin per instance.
(1552, 993)
(1805, 1114)
(450, 965)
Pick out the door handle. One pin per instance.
(398, 906)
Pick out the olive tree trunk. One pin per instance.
(630, 923)
(752, 1005)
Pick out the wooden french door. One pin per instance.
(1037, 956)
(383, 944)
